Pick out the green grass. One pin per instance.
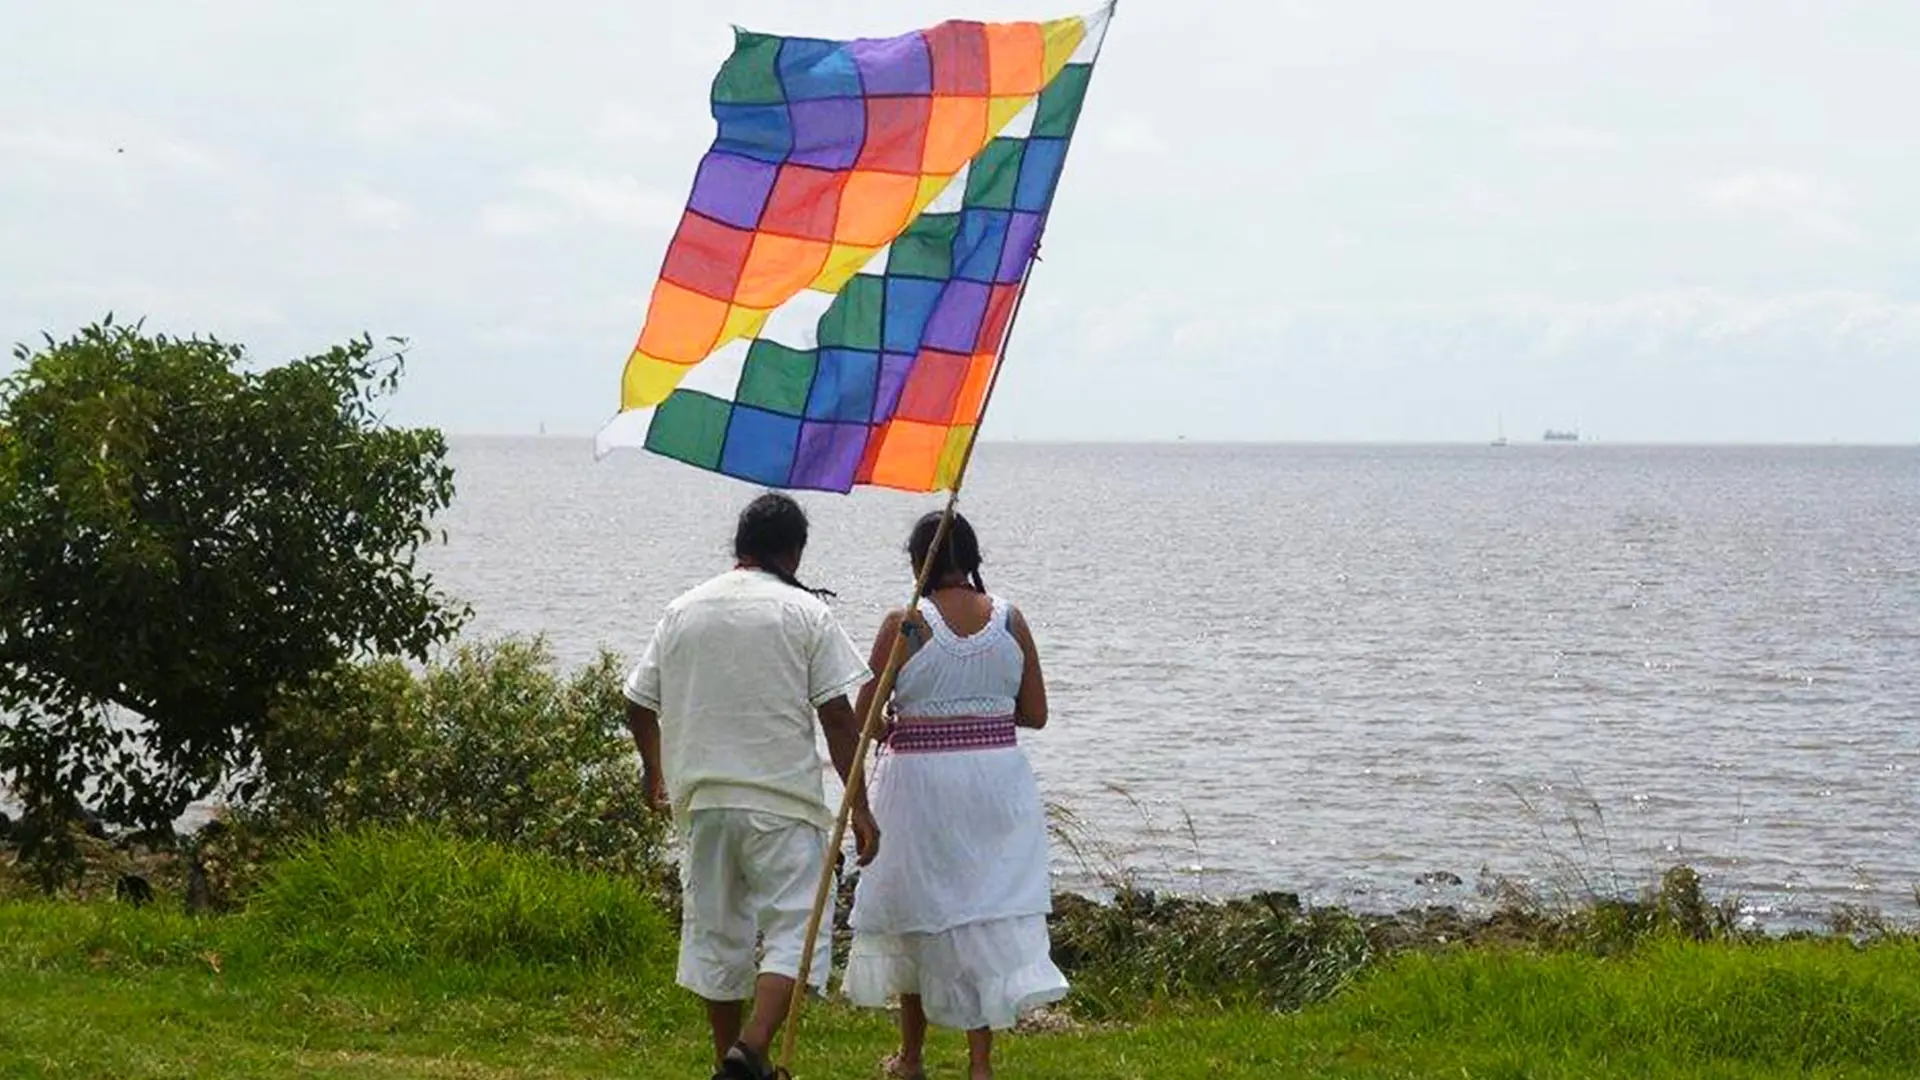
(411, 957)
(390, 900)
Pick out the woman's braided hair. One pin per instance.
(959, 553)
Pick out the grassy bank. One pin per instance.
(414, 957)
(1797, 1009)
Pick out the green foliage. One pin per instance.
(50, 748)
(393, 899)
(1262, 952)
(492, 745)
(181, 538)
(1265, 951)
(1603, 926)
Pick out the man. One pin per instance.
(722, 706)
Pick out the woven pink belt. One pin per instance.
(939, 736)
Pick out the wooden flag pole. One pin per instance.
(883, 688)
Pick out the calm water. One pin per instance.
(1335, 669)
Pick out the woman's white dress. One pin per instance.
(955, 907)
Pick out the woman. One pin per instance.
(951, 918)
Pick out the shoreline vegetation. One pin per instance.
(495, 741)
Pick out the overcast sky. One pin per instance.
(1283, 219)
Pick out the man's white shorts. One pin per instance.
(743, 871)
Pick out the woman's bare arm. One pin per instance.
(877, 662)
(1030, 704)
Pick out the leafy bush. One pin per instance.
(183, 536)
(491, 745)
(391, 899)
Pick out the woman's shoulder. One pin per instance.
(911, 616)
(1016, 621)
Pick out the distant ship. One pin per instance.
(1560, 436)
(1501, 438)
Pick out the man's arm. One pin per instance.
(644, 723)
(642, 691)
(834, 668)
(842, 729)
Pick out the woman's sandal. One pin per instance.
(890, 1068)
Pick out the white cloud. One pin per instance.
(1568, 138)
(1808, 206)
(570, 196)
(516, 219)
(624, 126)
(367, 207)
(1682, 323)
(1678, 324)
(1769, 190)
(1131, 135)
(442, 115)
(174, 309)
(179, 154)
(1228, 327)
(605, 198)
(75, 141)
(1123, 324)
(49, 146)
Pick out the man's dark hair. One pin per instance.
(773, 531)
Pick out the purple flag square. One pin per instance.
(829, 455)
(1022, 231)
(828, 134)
(894, 368)
(894, 65)
(732, 189)
(955, 324)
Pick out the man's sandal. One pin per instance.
(741, 1063)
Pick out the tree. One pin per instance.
(182, 537)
